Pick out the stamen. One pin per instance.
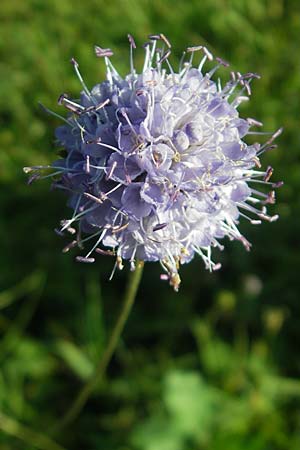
(94, 108)
(266, 148)
(69, 104)
(76, 67)
(119, 228)
(202, 62)
(93, 197)
(105, 194)
(147, 56)
(58, 116)
(102, 144)
(164, 56)
(254, 122)
(33, 178)
(238, 100)
(111, 171)
(275, 135)
(132, 46)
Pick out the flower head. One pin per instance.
(156, 165)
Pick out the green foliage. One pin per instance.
(214, 367)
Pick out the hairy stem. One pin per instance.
(86, 391)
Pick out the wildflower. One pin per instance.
(156, 165)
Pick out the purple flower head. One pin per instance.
(156, 166)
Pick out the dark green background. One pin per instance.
(214, 367)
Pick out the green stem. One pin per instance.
(84, 394)
(10, 426)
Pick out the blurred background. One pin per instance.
(215, 366)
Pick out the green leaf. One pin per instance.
(75, 359)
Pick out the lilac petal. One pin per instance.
(219, 107)
(162, 156)
(98, 217)
(133, 203)
(65, 136)
(233, 150)
(181, 140)
(194, 132)
(127, 139)
(240, 192)
(122, 170)
(152, 194)
(242, 127)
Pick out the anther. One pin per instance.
(87, 166)
(119, 228)
(131, 41)
(270, 198)
(222, 62)
(159, 226)
(269, 173)
(164, 277)
(28, 169)
(257, 162)
(119, 263)
(278, 184)
(33, 178)
(251, 75)
(58, 232)
(96, 108)
(74, 62)
(102, 52)
(194, 49)
(154, 37)
(69, 104)
(85, 260)
(275, 135)
(69, 246)
(208, 54)
(165, 56)
(71, 230)
(166, 41)
(104, 252)
(254, 122)
(61, 98)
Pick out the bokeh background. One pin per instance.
(215, 366)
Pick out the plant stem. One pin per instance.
(34, 438)
(83, 396)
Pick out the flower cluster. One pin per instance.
(156, 166)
